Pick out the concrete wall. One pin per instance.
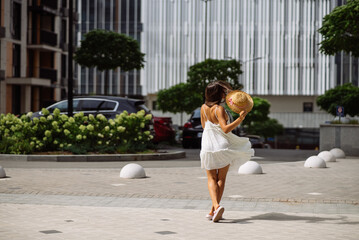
(343, 136)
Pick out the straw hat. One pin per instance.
(238, 101)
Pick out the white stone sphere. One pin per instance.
(337, 152)
(250, 167)
(315, 162)
(2, 172)
(327, 156)
(132, 170)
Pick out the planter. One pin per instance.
(343, 136)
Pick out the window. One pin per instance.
(308, 107)
(90, 105)
(107, 105)
(63, 106)
(16, 20)
(16, 60)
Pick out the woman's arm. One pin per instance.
(203, 120)
(221, 113)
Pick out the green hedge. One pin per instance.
(78, 134)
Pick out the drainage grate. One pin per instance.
(166, 232)
(50, 231)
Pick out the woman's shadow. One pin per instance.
(285, 217)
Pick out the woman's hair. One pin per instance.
(214, 92)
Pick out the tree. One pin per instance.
(201, 74)
(340, 30)
(346, 95)
(257, 121)
(179, 98)
(108, 50)
(186, 97)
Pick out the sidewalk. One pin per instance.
(288, 201)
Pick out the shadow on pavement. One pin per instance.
(285, 217)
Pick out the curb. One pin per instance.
(95, 158)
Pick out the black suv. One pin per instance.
(192, 132)
(107, 105)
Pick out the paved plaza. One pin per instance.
(41, 200)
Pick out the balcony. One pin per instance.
(2, 75)
(46, 37)
(49, 74)
(49, 3)
(2, 32)
(47, 6)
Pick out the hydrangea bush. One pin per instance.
(78, 134)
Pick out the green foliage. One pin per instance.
(179, 98)
(259, 112)
(210, 70)
(257, 121)
(109, 50)
(267, 128)
(79, 134)
(340, 30)
(185, 97)
(346, 95)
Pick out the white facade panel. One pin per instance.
(276, 40)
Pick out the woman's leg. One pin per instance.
(216, 182)
(213, 188)
(222, 174)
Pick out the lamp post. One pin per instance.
(70, 109)
(205, 28)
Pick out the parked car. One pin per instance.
(163, 129)
(256, 141)
(192, 130)
(107, 105)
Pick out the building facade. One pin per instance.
(122, 16)
(33, 50)
(276, 41)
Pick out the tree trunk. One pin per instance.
(106, 82)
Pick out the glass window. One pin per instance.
(107, 105)
(90, 105)
(143, 107)
(125, 105)
(197, 113)
(16, 60)
(63, 106)
(307, 107)
(16, 20)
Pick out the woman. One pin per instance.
(221, 149)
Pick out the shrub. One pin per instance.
(79, 134)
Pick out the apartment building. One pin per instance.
(276, 41)
(122, 16)
(33, 61)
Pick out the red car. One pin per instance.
(163, 129)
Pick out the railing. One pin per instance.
(49, 3)
(46, 37)
(49, 74)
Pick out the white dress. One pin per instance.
(220, 149)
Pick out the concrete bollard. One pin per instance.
(327, 156)
(250, 167)
(2, 172)
(132, 170)
(337, 152)
(315, 162)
